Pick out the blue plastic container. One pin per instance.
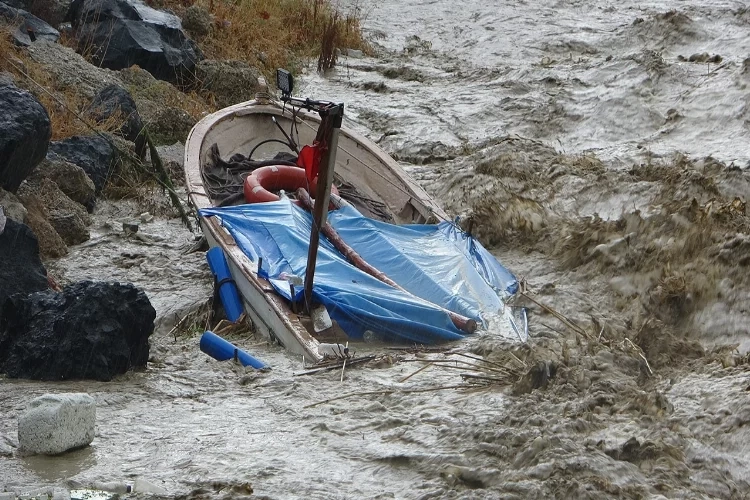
(230, 298)
(221, 350)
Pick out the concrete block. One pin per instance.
(55, 423)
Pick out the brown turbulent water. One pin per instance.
(601, 164)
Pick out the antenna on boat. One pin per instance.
(331, 115)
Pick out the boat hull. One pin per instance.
(237, 129)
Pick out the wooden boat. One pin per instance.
(359, 162)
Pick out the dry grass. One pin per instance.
(17, 62)
(29, 75)
(270, 35)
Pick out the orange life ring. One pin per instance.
(258, 185)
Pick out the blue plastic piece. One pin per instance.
(221, 350)
(230, 298)
(439, 265)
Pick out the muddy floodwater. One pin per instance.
(602, 150)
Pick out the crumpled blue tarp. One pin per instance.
(439, 264)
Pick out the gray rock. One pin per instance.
(14, 209)
(92, 153)
(51, 244)
(71, 72)
(29, 28)
(70, 178)
(70, 227)
(197, 20)
(24, 135)
(114, 100)
(55, 423)
(68, 218)
(122, 33)
(229, 81)
(7, 78)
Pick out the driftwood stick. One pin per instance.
(479, 377)
(464, 365)
(343, 366)
(477, 358)
(559, 316)
(354, 361)
(414, 373)
(387, 391)
(463, 323)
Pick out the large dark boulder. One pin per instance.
(24, 135)
(121, 33)
(115, 101)
(21, 270)
(89, 331)
(93, 153)
(29, 28)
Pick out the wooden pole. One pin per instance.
(334, 113)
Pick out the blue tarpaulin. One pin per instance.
(438, 264)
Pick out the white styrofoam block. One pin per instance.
(55, 423)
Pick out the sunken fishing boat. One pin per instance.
(318, 237)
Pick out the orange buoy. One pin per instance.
(262, 181)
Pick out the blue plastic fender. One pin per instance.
(221, 350)
(227, 288)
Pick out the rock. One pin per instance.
(55, 423)
(29, 28)
(197, 20)
(7, 78)
(21, 270)
(70, 71)
(92, 153)
(161, 106)
(68, 218)
(113, 100)
(14, 209)
(122, 33)
(70, 178)
(130, 227)
(55, 12)
(24, 135)
(89, 331)
(51, 244)
(537, 377)
(170, 125)
(70, 227)
(229, 81)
